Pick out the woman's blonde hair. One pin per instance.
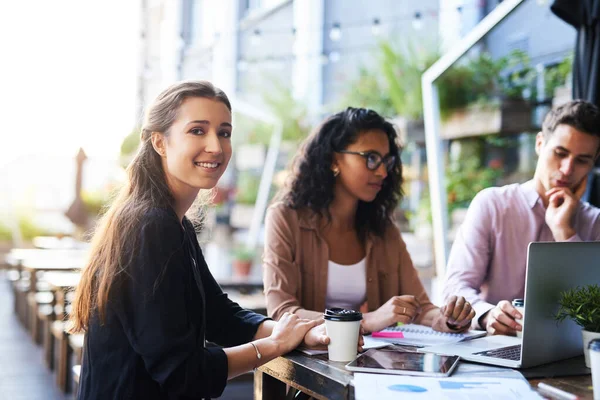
(146, 188)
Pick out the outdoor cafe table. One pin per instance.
(61, 283)
(33, 266)
(55, 243)
(246, 284)
(17, 256)
(324, 379)
(63, 280)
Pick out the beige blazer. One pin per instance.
(295, 263)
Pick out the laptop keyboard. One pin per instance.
(507, 353)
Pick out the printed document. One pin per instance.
(384, 387)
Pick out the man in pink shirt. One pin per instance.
(488, 260)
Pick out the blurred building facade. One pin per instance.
(314, 47)
(246, 47)
(534, 29)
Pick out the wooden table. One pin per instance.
(36, 260)
(33, 266)
(60, 284)
(17, 256)
(62, 280)
(324, 379)
(63, 344)
(55, 243)
(247, 284)
(577, 385)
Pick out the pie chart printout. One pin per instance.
(407, 388)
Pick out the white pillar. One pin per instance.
(435, 167)
(170, 42)
(225, 49)
(308, 71)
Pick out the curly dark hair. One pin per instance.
(312, 181)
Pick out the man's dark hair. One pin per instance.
(579, 114)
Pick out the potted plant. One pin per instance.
(558, 76)
(582, 305)
(482, 95)
(242, 261)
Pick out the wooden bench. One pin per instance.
(64, 343)
(34, 302)
(25, 265)
(20, 291)
(46, 316)
(61, 283)
(76, 343)
(62, 355)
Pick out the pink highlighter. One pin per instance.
(388, 334)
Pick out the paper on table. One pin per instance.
(384, 387)
(487, 371)
(419, 335)
(370, 343)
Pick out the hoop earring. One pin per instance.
(336, 172)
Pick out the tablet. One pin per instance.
(391, 360)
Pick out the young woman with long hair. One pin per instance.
(146, 300)
(330, 237)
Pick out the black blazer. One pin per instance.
(151, 345)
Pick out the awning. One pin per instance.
(584, 16)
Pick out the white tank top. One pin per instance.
(346, 285)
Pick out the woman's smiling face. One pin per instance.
(197, 148)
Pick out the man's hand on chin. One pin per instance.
(562, 204)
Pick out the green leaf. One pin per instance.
(582, 305)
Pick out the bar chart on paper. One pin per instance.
(458, 385)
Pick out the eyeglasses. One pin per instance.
(374, 159)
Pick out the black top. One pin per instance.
(151, 345)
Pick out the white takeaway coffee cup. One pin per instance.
(594, 348)
(343, 328)
(519, 304)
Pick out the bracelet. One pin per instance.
(258, 355)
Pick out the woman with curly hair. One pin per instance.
(330, 237)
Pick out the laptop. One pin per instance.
(551, 268)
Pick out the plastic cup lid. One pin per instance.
(518, 302)
(341, 314)
(594, 345)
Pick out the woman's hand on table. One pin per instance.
(291, 330)
(403, 309)
(317, 338)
